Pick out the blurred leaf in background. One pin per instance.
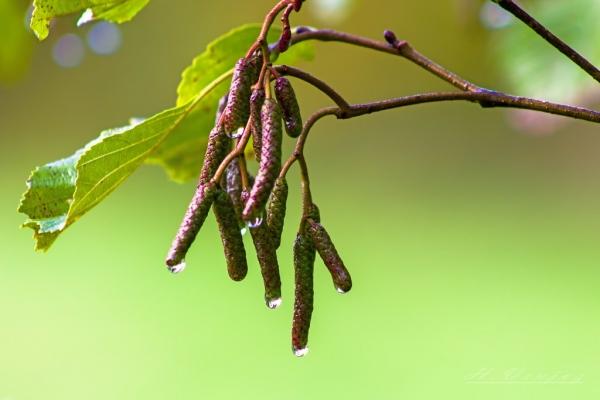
(534, 68)
(16, 42)
(111, 10)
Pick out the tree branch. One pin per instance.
(490, 98)
(469, 91)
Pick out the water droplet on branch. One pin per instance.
(176, 269)
(301, 352)
(274, 303)
(256, 223)
(236, 134)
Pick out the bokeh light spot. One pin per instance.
(68, 51)
(332, 11)
(104, 38)
(494, 17)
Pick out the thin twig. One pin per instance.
(490, 98)
(400, 48)
(261, 41)
(306, 193)
(541, 30)
(299, 149)
(237, 151)
(314, 81)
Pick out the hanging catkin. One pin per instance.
(284, 92)
(270, 160)
(304, 260)
(324, 245)
(231, 237)
(276, 210)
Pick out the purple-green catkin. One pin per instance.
(270, 160)
(324, 245)
(304, 260)
(190, 226)
(219, 144)
(256, 101)
(216, 150)
(269, 265)
(284, 92)
(285, 39)
(276, 209)
(233, 185)
(267, 259)
(231, 237)
(237, 109)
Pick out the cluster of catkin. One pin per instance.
(240, 201)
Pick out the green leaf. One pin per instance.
(110, 10)
(49, 191)
(61, 192)
(179, 154)
(16, 42)
(534, 68)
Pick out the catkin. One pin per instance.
(217, 148)
(270, 160)
(284, 92)
(324, 245)
(192, 222)
(276, 210)
(233, 185)
(256, 102)
(285, 39)
(233, 244)
(269, 265)
(304, 259)
(237, 109)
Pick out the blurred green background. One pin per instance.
(473, 245)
